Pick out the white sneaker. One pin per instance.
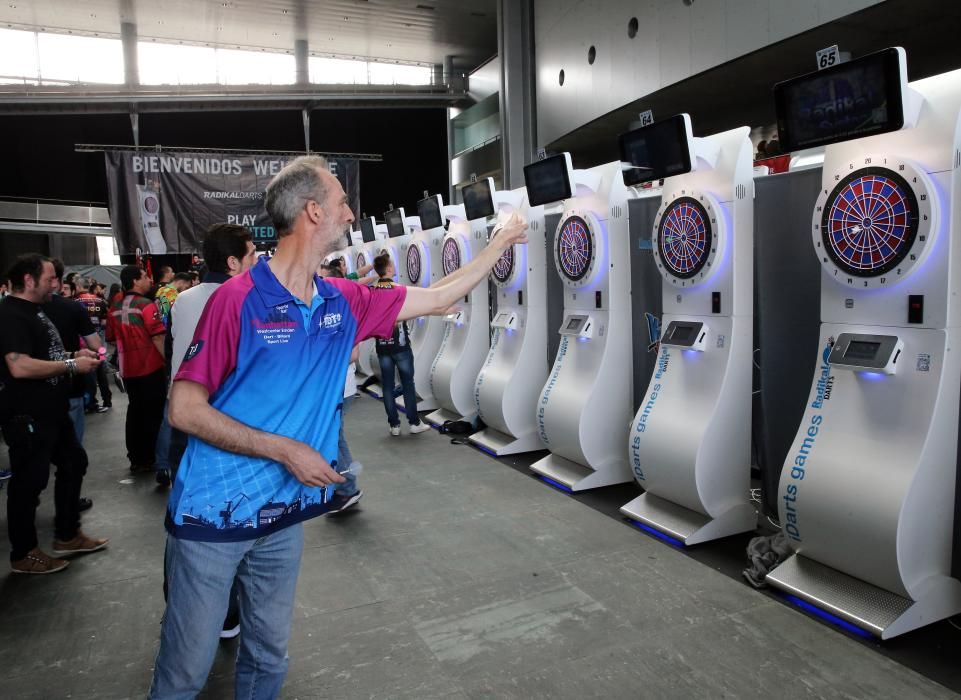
(395, 430)
(419, 428)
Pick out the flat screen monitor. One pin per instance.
(479, 199)
(549, 180)
(367, 229)
(395, 223)
(657, 151)
(849, 101)
(428, 209)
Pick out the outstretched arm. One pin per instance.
(437, 298)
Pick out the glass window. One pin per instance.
(18, 56)
(173, 64)
(80, 58)
(254, 68)
(398, 74)
(337, 71)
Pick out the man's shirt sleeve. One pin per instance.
(375, 310)
(15, 338)
(153, 319)
(212, 355)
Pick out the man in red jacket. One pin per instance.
(135, 324)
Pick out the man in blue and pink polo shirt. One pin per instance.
(259, 392)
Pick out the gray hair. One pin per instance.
(292, 188)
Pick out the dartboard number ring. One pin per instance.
(413, 263)
(875, 225)
(575, 250)
(686, 238)
(450, 254)
(504, 267)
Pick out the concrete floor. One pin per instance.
(459, 578)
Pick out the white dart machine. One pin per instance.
(422, 267)
(467, 332)
(512, 376)
(585, 404)
(391, 237)
(364, 254)
(690, 441)
(867, 493)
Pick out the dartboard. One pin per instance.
(684, 237)
(504, 265)
(361, 260)
(870, 221)
(413, 263)
(575, 248)
(451, 254)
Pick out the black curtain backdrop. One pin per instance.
(40, 160)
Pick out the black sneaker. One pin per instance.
(84, 504)
(231, 626)
(141, 468)
(342, 502)
(163, 477)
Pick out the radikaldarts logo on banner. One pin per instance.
(163, 202)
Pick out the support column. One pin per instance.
(515, 47)
(300, 60)
(128, 40)
(305, 115)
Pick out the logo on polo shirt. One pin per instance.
(331, 320)
(193, 350)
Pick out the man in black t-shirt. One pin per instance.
(73, 323)
(34, 420)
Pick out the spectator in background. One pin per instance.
(165, 275)
(34, 419)
(773, 148)
(97, 311)
(134, 323)
(4, 288)
(167, 294)
(395, 352)
(761, 150)
(194, 278)
(115, 291)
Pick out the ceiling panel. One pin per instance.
(404, 30)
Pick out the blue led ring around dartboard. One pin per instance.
(575, 248)
(451, 256)
(504, 266)
(870, 221)
(413, 264)
(684, 237)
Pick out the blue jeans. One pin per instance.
(199, 577)
(76, 417)
(161, 458)
(404, 361)
(344, 457)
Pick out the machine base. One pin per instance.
(441, 415)
(428, 404)
(498, 443)
(873, 609)
(577, 477)
(687, 526)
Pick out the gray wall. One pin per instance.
(787, 308)
(675, 40)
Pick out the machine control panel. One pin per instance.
(505, 319)
(578, 325)
(689, 335)
(870, 353)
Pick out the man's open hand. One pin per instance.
(509, 230)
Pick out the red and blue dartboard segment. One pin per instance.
(870, 222)
(451, 254)
(504, 265)
(684, 237)
(575, 248)
(361, 260)
(413, 264)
